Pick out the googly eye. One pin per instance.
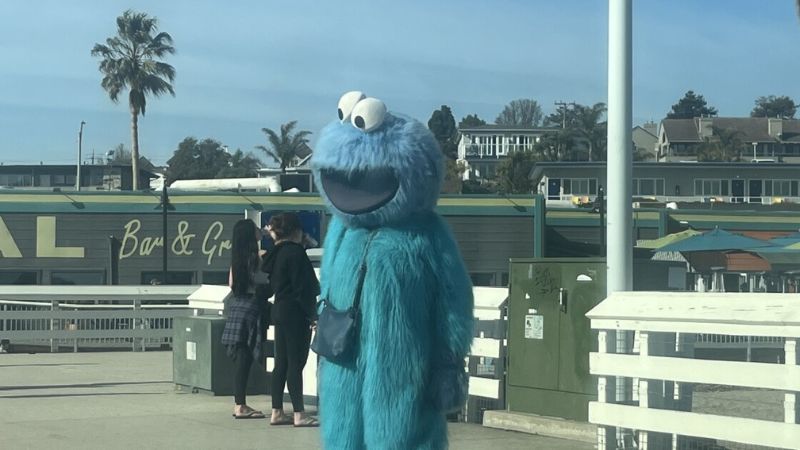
(347, 102)
(368, 114)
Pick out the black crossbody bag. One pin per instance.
(337, 333)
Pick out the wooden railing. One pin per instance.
(665, 378)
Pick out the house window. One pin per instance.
(783, 188)
(579, 186)
(82, 277)
(19, 277)
(215, 277)
(62, 180)
(705, 187)
(176, 277)
(16, 180)
(482, 278)
(648, 186)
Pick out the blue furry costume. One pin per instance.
(381, 173)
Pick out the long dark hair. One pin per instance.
(244, 255)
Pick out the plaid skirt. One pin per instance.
(244, 326)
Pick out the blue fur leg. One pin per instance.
(341, 422)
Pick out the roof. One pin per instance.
(510, 128)
(40, 167)
(644, 130)
(541, 166)
(753, 129)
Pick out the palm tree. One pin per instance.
(589, 128)
(284, 148)
(130, 60)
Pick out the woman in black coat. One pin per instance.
(296, 287)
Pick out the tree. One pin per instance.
(470, 121)
(197, 160)
(453, 176)
(591, 130)
(771, 106)
(121, 155)
(513, 174)
(691, 106)
(284, 147)
(554, 146)
(725, 145)
(583, 136)
(241, 165)
(131, 60)
(443, 126)
(522, 112)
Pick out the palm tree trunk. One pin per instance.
(135, 149)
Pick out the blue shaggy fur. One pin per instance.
(416, 309)
(401, 144)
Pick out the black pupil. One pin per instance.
(341, 114)
(359, 122)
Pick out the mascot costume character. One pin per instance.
(389, 255)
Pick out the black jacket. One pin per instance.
(294, 283)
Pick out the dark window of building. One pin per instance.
(17, 180)
(62, 180)
(83, 277)
(504, 279)
(18, 277)
(173, 277)
(482, 278)
(215, 277)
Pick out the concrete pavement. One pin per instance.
(127, 400)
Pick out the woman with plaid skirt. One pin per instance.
(245, 327)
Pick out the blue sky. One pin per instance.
(246, 64)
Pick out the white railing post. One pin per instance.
(53, 326)
(137, 306)
(790, 402)
(606, 436)
(644, 384)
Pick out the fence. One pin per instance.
(486, 362)
(90, 316)
(138, 317)
(681, 401)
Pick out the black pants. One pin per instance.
(292, 341)
(243, 361)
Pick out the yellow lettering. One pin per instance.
(213, 233)
(8, 248)
(149, 244)
(180, 245)
(46, 241)
(131, 228)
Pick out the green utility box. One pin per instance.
(200, 361)
(549, 336)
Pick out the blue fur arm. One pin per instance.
(454, 321)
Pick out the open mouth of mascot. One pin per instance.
(359, 192)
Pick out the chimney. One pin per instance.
(651, 127)
(704, 127)
(775, 127)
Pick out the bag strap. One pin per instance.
(362, 272)
(339, 239)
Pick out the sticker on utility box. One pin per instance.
(534, 326)
(191, 351)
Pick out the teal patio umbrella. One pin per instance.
(715, 240)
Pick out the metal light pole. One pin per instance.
(80, 144)
(620, 166)
(619, 174)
